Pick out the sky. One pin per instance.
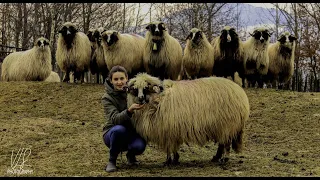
(145, 8)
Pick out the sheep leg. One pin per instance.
(243, 82)
(67, 76)
(221, 152)
(260, 83)
(82, 77)
(168, 160)
(76, 76)
(175, 158)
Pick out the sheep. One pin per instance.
(53, 77)
(229, 54)
(123, 49)
(73, 52)
(31, 65)
(189, 111)
(281, 59)
(162, 54)
(256, 59)
(97, 63)
(198, 57)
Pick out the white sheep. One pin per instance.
(256, 61)
(281, 58)
(162, 55)
(189, 111)
(123, 49)
(31, 65)
(73, 52)
(198, 58)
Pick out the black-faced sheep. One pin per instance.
(125, 50)
(97, 64)
(31, 65)
(73, 52)
(162, 55)
(228, 54)
(281, 59)
(189, 111)
(198, 57)
(53, 77)
(256, 61)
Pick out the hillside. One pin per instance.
(61, 124)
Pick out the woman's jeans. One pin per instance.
(119, 139)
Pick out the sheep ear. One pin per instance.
(157, 88)
(251, 34)
(126, 88)
(293, 37)
(148, 27)
(163, 26)
(270, 33)
(131, 82)
(189, 36)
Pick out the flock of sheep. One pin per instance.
(159, 54)
(184, 102)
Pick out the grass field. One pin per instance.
(61, 125)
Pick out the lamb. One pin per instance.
(73, 52)
(162, 55)
(281, 59)
(229, 54)
(256, 59)
(189, 111)
(53, 77)
(97, 64)
(31, 65)
(198, 57)
(123, 49)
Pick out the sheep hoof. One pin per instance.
(215, 159)
(220, 160)
(167, 162)
(175, 162)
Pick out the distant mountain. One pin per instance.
(254, 16)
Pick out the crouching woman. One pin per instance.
(118, 132)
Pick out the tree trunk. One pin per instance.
(306, 83)
(25, 27)
(52, 36)
(124, 18)
(18, 25)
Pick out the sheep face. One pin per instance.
(143, 87)
(261, 35)
(91, 36)
(42, 43)
(195, 36)
(68, 32)
(156, 29)
(110, 37)
(287, 40)
(228, 35)
(98, 34)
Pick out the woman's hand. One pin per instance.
(135, 107)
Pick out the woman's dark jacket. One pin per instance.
(115, 109)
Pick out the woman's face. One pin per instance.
(119, 80)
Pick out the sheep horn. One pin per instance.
(126, 88)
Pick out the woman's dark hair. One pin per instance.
(115, 69)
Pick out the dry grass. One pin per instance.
(62, 125)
